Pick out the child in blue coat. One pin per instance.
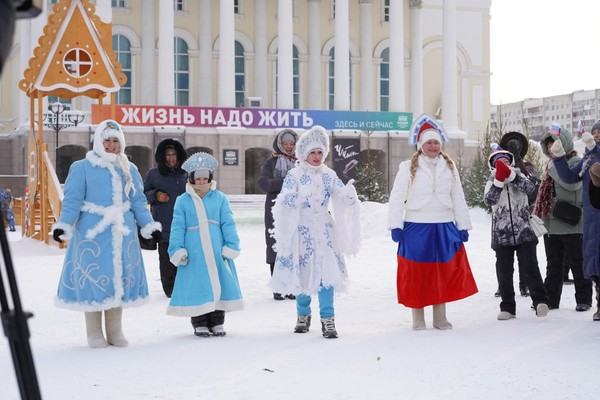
(203, 244)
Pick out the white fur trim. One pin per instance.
(512, 175)
(498, 183)
(65, 227)
(230, 253)
(147, 230)
(177, 256)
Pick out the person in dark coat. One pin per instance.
(272, 173)
(580, 172)
(162, 186)
(518, 145)
(506, 193)
(563, 242)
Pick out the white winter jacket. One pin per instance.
(434, 196)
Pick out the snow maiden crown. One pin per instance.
(200, 162)
(105, 130)
(314, 138)
(426, 128)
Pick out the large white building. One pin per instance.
(399, 56)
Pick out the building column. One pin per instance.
(260, 50)
(226, 80)
(449, 90)
(397, 95)
(416, 59)
(148, 56)
(205, 77)
(166, 51)
(366, 55)
(341, 99)
(26, 51)
(285, 63)
(313, 99)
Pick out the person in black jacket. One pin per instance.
(273, 171)
(162, 186)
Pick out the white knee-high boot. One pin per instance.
(418, 317)
(439, 317)
(93, 327)
(114, 327)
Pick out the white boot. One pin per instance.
(418, 316)
(93, 327)
(439, 317)
(114, 328)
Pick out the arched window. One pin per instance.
(122, 47)
(331, 79)
(182, 73)
(240, 74)
(295, 78)
(384, 81)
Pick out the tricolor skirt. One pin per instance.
(433, 267)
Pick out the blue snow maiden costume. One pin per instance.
(203, 244)
(103, 199)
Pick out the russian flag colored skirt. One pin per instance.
(433, 267)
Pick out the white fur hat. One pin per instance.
(314, 138)
(108, 129)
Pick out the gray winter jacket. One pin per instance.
(510, 210)
(569, 192)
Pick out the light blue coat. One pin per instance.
(203, 232)
(103, 266)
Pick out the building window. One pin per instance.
(332, 11)
(65, 102)
(122, 47)
(240, 75)
(178, 5)
(331, 79)
(182, 73)
(295, 77)
(384, 81)
(237, 7)
(118, 3)
(386, 10)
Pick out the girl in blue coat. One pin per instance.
(203, 244)
(103, 268)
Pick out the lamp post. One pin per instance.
(73, 119)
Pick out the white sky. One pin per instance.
(543, 48)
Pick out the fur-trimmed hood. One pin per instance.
(159, 156)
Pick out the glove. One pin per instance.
(56, 234)
(464, 235)
(161, 196)
(588, 140)
(156, 235)
(397, 235)
(557, 149)
(595, 174)
(503, 171)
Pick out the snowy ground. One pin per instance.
(377, 355)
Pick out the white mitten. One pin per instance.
(557, 149)
(588, 140)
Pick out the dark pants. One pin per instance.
(210, 319)
(167, 269)
(561, 250)
(505, 258)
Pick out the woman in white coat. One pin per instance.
(429, 219)
(310, 245)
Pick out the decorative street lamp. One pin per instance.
(73, 119)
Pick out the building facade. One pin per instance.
(408, 56)
(535, 116)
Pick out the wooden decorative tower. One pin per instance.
(74, 58)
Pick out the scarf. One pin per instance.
(543, 202)
(283, 165)
(202, 188)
